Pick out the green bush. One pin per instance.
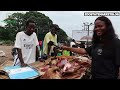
(7, 42)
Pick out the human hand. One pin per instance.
(118, 77)
(41, 59)
(51, 43)
(24, 65)
(119, 73)
(63, 47)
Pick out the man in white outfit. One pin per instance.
(26, 44)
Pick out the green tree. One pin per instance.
(42, 25)
(42, 22)
(16, 22)
(62, 36)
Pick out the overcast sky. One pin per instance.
(71, 20)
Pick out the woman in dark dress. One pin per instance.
(105, 50)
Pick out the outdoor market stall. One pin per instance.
(59, 67)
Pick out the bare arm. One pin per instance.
(76, 50)
(119, 73)
(49, 46)
(37, 52)
(20, 58)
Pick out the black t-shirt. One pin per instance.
(105, 60)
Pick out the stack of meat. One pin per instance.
(64, 68)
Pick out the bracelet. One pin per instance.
(39, 57)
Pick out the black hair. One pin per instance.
(73, 40)
(29, 21)
(109, 34)
(54, 26)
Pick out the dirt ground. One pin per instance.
(7, 50)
